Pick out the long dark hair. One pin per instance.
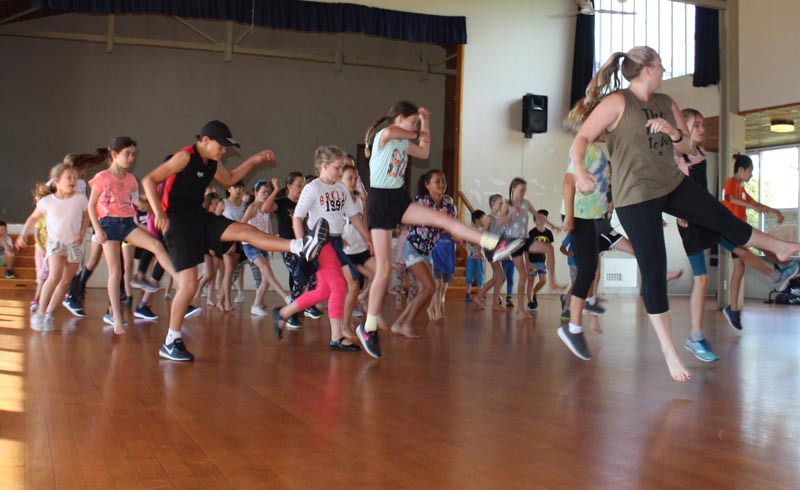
(289, 179)
(424, 179)
(402, 108)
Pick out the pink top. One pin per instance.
(116, 195)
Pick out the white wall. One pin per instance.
(768, 41)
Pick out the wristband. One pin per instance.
(679, 139)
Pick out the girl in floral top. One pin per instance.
(418, 247)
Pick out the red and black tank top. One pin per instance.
(184, 191)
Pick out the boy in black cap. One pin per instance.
(189, 230)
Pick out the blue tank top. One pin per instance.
(387, 165)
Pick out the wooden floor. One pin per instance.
(481, 402)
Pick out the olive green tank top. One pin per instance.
(643, 164)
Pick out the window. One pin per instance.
(776, 183)
(664, 25)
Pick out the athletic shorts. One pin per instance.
(360, 258)
(446, 277)
(696, 239)
(537, 269)
(607, 241)
(72, 251)
(523, 249)
(191, 236)
(386, 207)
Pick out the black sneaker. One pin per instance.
(575, 341)
(340, 346)
(594, 309)
(509, 302)
(192, 311)
(276, 322)
(145, 313)
(313, 244)
(176, 351)
(505, 247)
(370, 341)
(312, 312)
(533, 305)
(293, 322)
(74, 306)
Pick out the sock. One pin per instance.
(372, 323)
(696, 335)
(489, 240)
(141, 303)
(591, 300)
(172, 335)
(775, 276)
(575, 328)
(296, 245)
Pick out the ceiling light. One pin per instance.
(780, 125)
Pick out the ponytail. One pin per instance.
(607, 80)
(83, 161)
(402, 108)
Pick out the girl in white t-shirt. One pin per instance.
(257, 217)
(328, 199)
(66, 217)
(355, 246)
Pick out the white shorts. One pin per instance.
(72, 251)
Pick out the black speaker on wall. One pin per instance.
(534, 114)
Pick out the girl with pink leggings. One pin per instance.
(326, 198)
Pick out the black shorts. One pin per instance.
(696, 238)
(191, 236)
(385, 208)
(606, 241)
(360, 258)
(523, 249)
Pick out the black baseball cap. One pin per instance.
(219, 132)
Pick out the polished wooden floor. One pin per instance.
(482, 401)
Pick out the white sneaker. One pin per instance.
(37, 322)
(239, 298)
(258, 311)
(357, 313)
(49, 323)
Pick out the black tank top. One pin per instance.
(183, 192)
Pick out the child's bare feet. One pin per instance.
(228, 307)
(676, 368)
(671, 276)
(405, 330)
(786, 250)
(557, 287)
(119, 329)
(348, 333)
(522, 313)
(499, 307)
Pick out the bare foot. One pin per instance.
(786, 250)
(212, 304)
(499, 307)
(405, 330)
(479, 302)
(557, 287)
(676, 368)
(522, 313)
(119, 330)
(227, 308)
(348, 333)
(671, 276)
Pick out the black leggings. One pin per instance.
(643, 224)
(586, 248)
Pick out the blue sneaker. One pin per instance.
(787, 274)
(734, 317)
(701, 350)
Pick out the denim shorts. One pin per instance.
(117, 229)
(412, 256)
(537, 269)
(252, 253)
